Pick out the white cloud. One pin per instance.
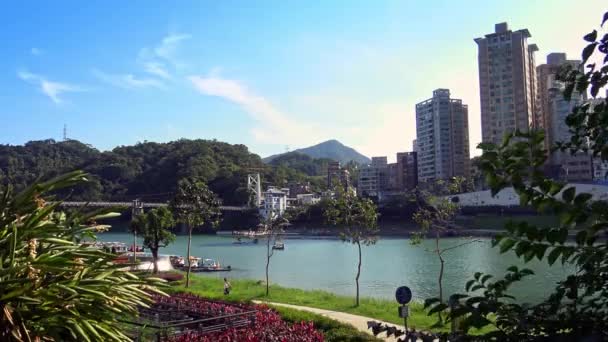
(49, 88)
(168, 46)
(273, 126)
(157, 69)
(128, 81)
(36, 51)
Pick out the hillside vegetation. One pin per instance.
(147, 170)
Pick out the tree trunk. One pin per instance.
(189, 261)
(358, 274)
(440, 279)
(155, 259)
(267, 264)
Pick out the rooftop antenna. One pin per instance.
(65, 132)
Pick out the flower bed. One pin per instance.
(267, 326)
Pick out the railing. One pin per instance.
(168, 321)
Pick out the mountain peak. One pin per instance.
(330, 149)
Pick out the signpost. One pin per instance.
(404, 296)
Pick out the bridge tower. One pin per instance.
(254, 185)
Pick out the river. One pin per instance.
(329, 264)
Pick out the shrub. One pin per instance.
(268, 325)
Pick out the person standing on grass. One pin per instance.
(227, 287)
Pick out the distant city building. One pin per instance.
(274, 201)
(552, 112)
(297, 188)
(442, 137)
(414, 145)
(336, 173)
(308, 199)
(380, 177)
(507, 83)
(407, 171)
(546, 76)
(369, 181)
(600, 170)
(333, 173)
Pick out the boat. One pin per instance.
(144, 261)
(110, 247)
(278, 245)
(210, 265)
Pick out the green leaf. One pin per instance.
(437, 308)
(553, 255)
(430, 301)
(506, 245)
(591, 37)
(581, 237)
(477, 287)
(540, 250)
(588, 51)
(568, 194)
(469, 284)
(582, 198)
(485, 278)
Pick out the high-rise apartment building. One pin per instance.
(551, 117)
(442, 137)
(507, 82)
(546, 74)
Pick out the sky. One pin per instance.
(272, 75)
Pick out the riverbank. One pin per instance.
(250, 290)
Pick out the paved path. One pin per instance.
(359, 322)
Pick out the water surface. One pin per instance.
(331, 265)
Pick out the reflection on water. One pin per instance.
(331, 265)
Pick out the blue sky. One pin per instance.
(268, 74)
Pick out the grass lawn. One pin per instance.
(332, 329)
(247, 290)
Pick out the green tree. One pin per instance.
(576, 308)
(195, 205)
(435, 217)
(274, 226)
(53, 287)
(358, 221)
(153, 227)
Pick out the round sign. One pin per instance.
(403, 295)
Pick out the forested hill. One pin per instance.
(148, 170)
(302, 163)
(330, 149)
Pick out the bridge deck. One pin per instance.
(130, 204)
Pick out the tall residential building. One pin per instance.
(442, 137)
(564, 165)
(507, 82)
(546, 76)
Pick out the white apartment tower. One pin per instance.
(507, 83)
(442, 137)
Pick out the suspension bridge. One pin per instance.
(138, 204)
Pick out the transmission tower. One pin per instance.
(65, 132)
(254, 185)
